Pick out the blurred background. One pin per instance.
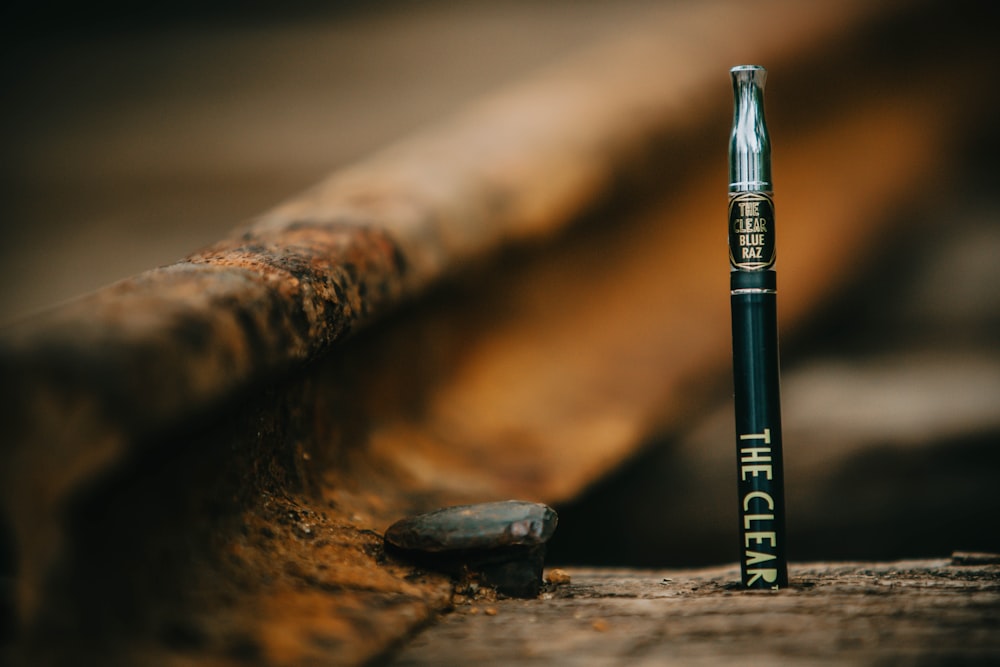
(135, 135)
(131, 139)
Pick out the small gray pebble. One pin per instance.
(483, 526)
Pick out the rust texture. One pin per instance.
(200, 462)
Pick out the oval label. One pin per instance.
(751, 231)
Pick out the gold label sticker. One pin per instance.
(751, 231)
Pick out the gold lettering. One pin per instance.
(754, 495)
(770, 575)
(759, 538)
(748, 225)
(754, 557)
(756, 517)
(765, 436)
(754, 470)
(755, 454)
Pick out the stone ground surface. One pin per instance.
(918, 612)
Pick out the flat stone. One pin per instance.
(500, 544)
(485, 526)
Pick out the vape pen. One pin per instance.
(753, 293)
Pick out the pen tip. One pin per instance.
(749, 74)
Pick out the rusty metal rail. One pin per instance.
(543, 234)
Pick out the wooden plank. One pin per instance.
(927, 612)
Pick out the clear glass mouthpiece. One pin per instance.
(749, 143)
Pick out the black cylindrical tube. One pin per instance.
(753, 295)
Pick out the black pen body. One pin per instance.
(753, 300)
(760, 473)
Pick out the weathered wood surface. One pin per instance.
(166, 505)
(927, 612)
